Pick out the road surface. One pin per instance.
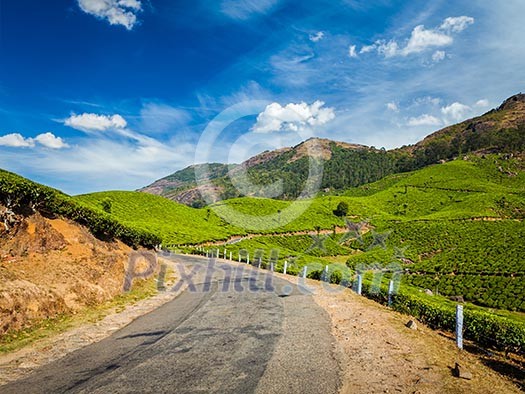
(234, 330)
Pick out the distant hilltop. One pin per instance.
(349, 165)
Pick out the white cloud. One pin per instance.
(16, 140)
(352, 51)
(455, 112)
(422, 39)
(483, 103)
(424, 120)
(49, 140)
(368, 48)
(387, 49)
(438, 56)
(293, 117)
(93, 122)
(245, 9)
(316, 37)
(456, 24)
(117, 12)
(392, 107)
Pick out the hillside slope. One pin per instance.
(20, 196)
(458, 226)
(56, 255)
(50, 267)
(478, 187)
(499, 130)
(347, 165)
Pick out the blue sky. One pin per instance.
(113, 94)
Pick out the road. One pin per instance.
(234, 330)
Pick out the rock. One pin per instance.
(412, 325)
(428, 292)
(461, 372)
(28, 365)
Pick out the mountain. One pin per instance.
(499, 130)
(345, 165)
(456, 227)
(291, 164)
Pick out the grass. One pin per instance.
(175, 223)
(455, 190)
(16, 340)
(431, 215)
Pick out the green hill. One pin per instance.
(175, 223)
(455, 228)
(461, 189)
(20, 196)
(347, 165)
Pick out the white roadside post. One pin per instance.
(218, 256)
(359, 284)
(231, 256)
(390, 292)
(325, 274)
(239, 256)
(247, 258)
(459, 326)
(271, 266)
(305, 269)
(285, 267)
(224, 254)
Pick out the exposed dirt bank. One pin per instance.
(54, 266)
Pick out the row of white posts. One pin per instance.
(358, 289)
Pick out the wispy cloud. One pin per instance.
(424, 120)
(392, 107)
(162, 118)
(422, 39)
(316, 37)
(456, 24)
(483, 103)
(438, 56)
(352, 52)
(246, 9)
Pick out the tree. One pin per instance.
(342, 209)
(107, 204)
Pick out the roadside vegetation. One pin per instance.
(22, 196)
(47, 328)
(455, 229)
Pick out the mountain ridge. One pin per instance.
(348, 164)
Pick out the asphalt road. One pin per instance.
(234, 330)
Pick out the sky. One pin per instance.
(114, 94)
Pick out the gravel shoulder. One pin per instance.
(382, 355)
